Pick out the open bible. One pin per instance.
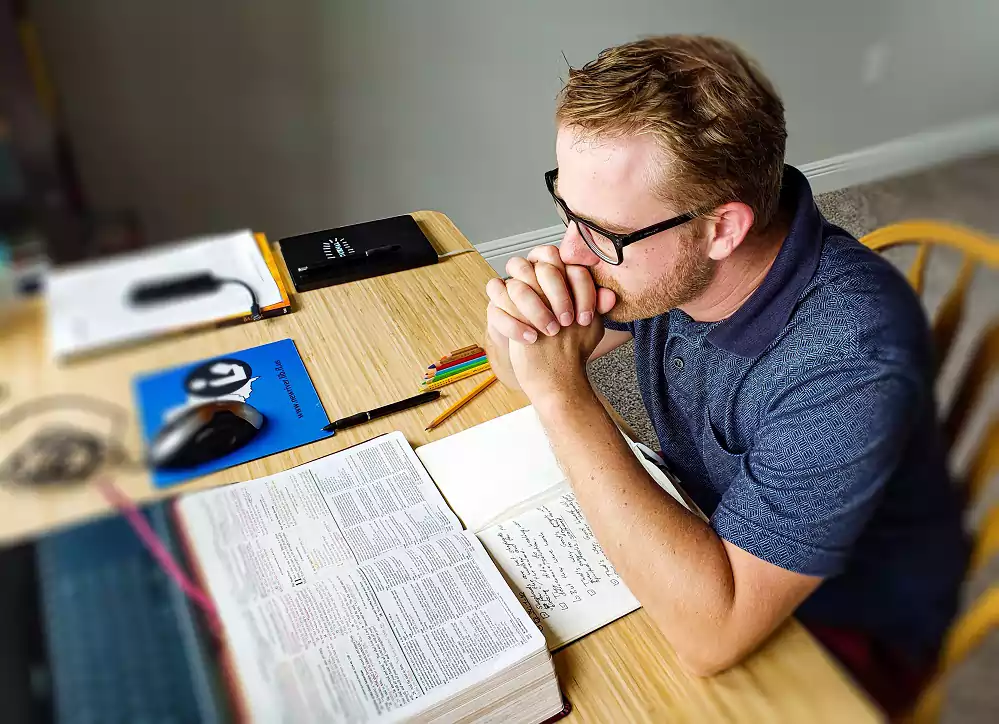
(348, 590)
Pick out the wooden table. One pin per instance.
(365, 344)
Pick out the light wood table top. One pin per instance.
(366, 344)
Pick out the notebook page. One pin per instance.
(87, 304)
(559, 572)
(500, 468)
(347, 590)
(492, 468)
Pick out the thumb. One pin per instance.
(606, 299)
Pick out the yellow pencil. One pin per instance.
(455, 378)
(461, 403)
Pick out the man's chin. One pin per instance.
(619, 314)
(660, 297)
(636, 305)
(623, 312)
(631, 309)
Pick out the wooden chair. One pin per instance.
(977, 249)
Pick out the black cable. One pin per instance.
(254, 305)
(163, 291)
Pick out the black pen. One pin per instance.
(362, 417)
(352, 258)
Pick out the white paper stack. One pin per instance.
(88, 306)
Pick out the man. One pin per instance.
(786, 369)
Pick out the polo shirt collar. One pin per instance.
(762, 317)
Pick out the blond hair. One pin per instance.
(718, 119)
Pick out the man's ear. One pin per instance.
(731, 224)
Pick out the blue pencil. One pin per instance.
(457, 368)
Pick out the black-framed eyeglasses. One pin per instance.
(606, 244)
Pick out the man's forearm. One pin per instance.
(673, 562)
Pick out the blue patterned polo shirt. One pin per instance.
(804, 425)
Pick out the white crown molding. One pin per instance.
(902, 155)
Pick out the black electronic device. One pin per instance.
(203, 433)
(153, 292)
(335, 256)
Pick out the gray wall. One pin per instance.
(291, 116)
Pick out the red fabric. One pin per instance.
(890, 678)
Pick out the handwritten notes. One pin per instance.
(558, 570)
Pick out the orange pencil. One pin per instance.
(451, 359)
(442, 366)
(461, 403)
(460, 352)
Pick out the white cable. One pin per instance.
(455, 253)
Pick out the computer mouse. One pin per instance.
(204, 433)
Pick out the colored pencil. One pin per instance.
(455, 371)
(456, 359)
(456, 368)
(461, 403)
(458, 352)
(444, 365)
(435, 368)
(446, 376)
(455, 378)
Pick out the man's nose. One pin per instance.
(574, 250)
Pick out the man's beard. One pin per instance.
(683, 282)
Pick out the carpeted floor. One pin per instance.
(966, 192)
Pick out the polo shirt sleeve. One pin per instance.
(817, 466)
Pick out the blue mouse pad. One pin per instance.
(271, 377)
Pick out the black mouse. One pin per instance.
(204, 433)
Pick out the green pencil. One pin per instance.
(457, 369)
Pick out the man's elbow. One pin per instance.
(709, 661)
(706, 645)
(710, 655)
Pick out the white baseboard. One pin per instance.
(903, 155)
(498, 252)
